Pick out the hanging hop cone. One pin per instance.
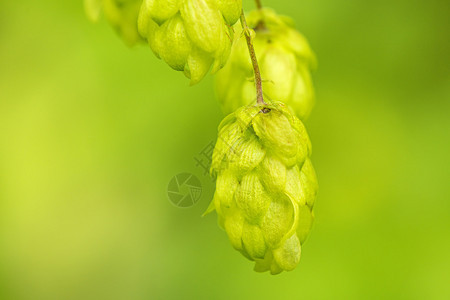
(190, 35)
(266, 185)
(121, 14)
(285, 59)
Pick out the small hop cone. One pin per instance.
(266, 185)
(285, 59)
(121, 14)
(192, 36)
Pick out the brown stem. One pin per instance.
(260, 25)
(251, 50)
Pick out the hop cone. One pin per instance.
(285, 60)
(190, 35)
(266, 185)
(121, 14)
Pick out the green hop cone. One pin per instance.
(121, 14)
(285, 59)
(192, 36)
(266, 185)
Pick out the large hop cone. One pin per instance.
(192, 36)
(266, 185)
(285, 60)
(121, 14)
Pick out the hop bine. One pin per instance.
(285, 59)
(266, 185)
(192, 36)
(121, 14)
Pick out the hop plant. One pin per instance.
(192, 36)
(266, 185)
(265, 182)
(285, 60)
(121, 14)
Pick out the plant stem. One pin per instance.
(251, 50)
(260, 25)
(258, 4)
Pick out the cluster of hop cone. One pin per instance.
(265, 183)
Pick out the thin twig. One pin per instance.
(251, 50)
(258, 4)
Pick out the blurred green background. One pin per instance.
(91, 133)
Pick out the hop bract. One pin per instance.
(285, 59)
(122, 14)
(266, 185)
(192, 36)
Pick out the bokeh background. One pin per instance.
(91, 132)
